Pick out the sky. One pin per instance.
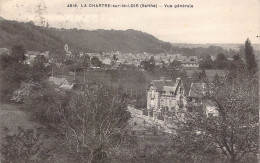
(209, 21)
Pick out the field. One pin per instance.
(12, 117)
(130, 82)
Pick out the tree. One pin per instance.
(18, 52)
(39, 70)
(5, 61)
(250, 57)
(73, 62)
(236, 65)
(145, 65)
(221, 57)
(141, 102)
(88, 121)
(236, 57)
(207, 63)
(115, 58)
(24, 146)
(175, 64)
(221, 61)
(40, 60)
(11, 78)
(85, 61)
(95, 62)
(26, 88)
(232, 133)
(57, 56)
(152, 60)
(13, 72)
(216, 79)
(149, 65)
(92, 122)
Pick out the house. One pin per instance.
(61, 82)
(182, 58)
(46, 54)
(164, 98)
(190, 64)
(213, 58)
(94, 55)
(176, 57)
(107, 61)
(192, 58)
(4, 51)
(230, 58)
(30, 59)
(196, 98)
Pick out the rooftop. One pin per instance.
(159, 84)
(167, 86)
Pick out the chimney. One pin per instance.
(178, 80)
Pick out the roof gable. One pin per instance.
(159, 84)
(167, 86)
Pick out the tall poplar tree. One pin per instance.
(250, 57)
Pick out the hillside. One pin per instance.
(32, 37)
(224, 46)
(42, 39)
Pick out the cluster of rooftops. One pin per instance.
(171, 87)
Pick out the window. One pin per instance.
(153, 94)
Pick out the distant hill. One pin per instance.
(38, 38)
(42, 39)
(224, 46)
(31, 36)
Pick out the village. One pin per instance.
(178, 84)
(114, 60)
(165, 100)
(161, 92)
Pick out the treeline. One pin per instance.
(221, 62)
(202, 51)
(14, 71)
(245, 58)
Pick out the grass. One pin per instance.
(12, 117)
(132, 83)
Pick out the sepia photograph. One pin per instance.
(129, 81)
